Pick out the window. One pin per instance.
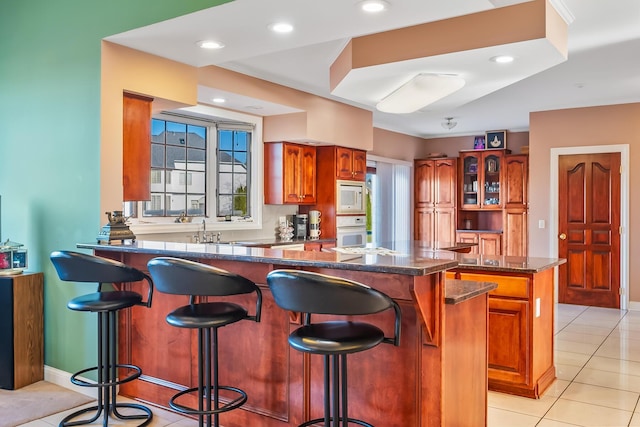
(178, 154)
(204, 165)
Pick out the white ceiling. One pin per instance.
(603, 65)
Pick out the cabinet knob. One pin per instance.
(562, 236)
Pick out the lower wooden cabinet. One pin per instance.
(521, 319)
(488, 243)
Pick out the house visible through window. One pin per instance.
(190, 157)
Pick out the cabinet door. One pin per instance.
(470, 180)
(515, 232)
(344, 161)
(445, 178)
(463, 237)
(516, 181)
(424, 173)
(508, 340)
(292, 173)
(136, 147)
(490, 243)
(308, 175)
(424, 224)
(359, 165)
(444, 225)
(491, 180)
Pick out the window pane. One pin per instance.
(240, 183)
(154, 207)
(176, 204)
(157, 156)
(197, 136)
(196, 203)
(176, 133)
(197, 184)
(157, 182)
(196, 159)
(224, 205)
(225, 140)
(240, 141)
(225, 161)
(176, 157)
(240, 205)
(225, 183)
(157, 130)
(241, 159)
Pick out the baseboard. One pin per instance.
(634, 305)
(63, 379)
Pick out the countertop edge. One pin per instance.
(457, 291)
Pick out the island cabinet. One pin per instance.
(289, 173)
(435, 200)
(521, 321)
(436, 377)
(351, 164)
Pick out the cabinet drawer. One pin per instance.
(508, 286)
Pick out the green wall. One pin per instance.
(50, 141)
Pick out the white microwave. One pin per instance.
(350, 197)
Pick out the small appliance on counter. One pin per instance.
(13, 259)
(300, 222)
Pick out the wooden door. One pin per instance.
(423, 183)
(136, 147)
(490, 243)
(515, 232)
(508, 340)
(444, 225)
(444, 189)
(424, 224)
(515, 181)
(344, 161)
(589, 229)
(292, 172)
(464, 237)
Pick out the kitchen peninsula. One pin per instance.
(437, 376)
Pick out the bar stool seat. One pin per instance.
(79, 267)
(199, 281)
(313, 293)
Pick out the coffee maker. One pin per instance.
(300, 226)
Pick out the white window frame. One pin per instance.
(157, 225)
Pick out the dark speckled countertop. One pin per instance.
(457, 291)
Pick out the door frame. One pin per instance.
(623, 149)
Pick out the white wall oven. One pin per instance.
(351, 230)
(350, 197)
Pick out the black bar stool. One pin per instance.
(79, 267)
(307, 293)
(183, 277)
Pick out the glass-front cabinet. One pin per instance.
(482, 179)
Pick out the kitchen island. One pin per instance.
(436, 377)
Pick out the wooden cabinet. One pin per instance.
(351, 164)
(516, 213)
(21, 330)
(482, 179)
(521, 319)
(136, 147)
(435, 200)
(515, 223)
(289, 173)
(488, 243)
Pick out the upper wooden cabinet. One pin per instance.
(351, 164)
(289, 173)
(517, 177)
(435, 200)
(136, 147)
(482, 179)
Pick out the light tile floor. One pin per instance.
(597, 355)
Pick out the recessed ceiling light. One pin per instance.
(219, 100)
(210, 44)
(374, 6)
(281, 27)
(502, 59)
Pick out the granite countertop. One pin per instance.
(407, 262)
(266, 243)
(457, 291)
(507, 264)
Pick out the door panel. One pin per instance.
(589, 222)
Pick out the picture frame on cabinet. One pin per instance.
(479, 143)
(496, 139)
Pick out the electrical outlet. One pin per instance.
(541, 223)
(537, 307)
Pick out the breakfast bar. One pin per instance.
(437, 376)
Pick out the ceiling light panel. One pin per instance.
(420, 91)
(373, 6)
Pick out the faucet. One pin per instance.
(204, 231)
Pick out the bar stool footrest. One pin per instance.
(321, 420)
(111, 409)
(236, 403)
(137, 372)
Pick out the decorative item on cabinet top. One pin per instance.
(496, 139)
(479, 143)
